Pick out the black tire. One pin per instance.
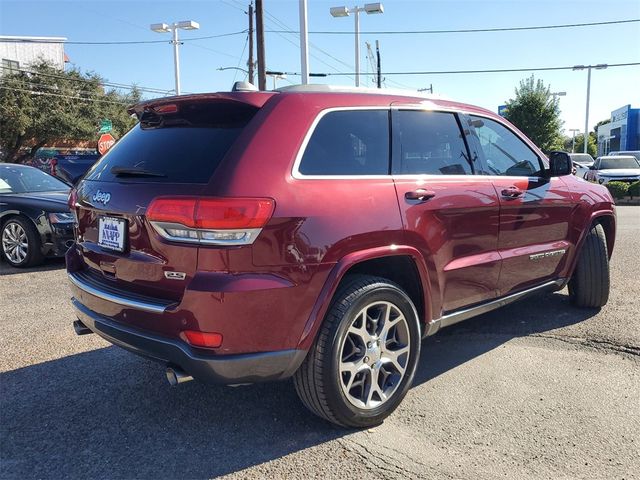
(34, 254)
(589, 284)
(318, 381)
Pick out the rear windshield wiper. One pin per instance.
(134, 172)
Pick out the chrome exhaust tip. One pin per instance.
(81, 329)
(176, 376)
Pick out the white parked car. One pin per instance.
(581, 162)
(635, 153)
(620, 168)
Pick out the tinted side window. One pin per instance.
(504, 152)
(351, 142)
(430, 143)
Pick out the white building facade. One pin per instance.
(19, 52)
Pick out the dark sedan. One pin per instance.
(35, 221)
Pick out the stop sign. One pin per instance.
(105, 142)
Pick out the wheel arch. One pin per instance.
(608, 222)
(400, 264)
(605, 218)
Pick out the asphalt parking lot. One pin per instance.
(534, 390)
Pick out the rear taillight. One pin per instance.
(202, 339)
(215, 221)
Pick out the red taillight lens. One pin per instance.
(212, 213)
(173, 210)
(202, 339)
(72, 200)
(233, 213)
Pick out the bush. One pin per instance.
(634, 189)
(618, 189)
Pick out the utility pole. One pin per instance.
(262, 77)
(250, 61)
(430, 89)
(379, 69)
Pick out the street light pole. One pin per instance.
(369, 9)
(600, 66)
(357, 29)
(304, 44)
(173, 28)
(586, 116)
(176, 59)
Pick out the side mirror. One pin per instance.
(559, 164)
(592, 167)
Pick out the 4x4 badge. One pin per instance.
(101, 197)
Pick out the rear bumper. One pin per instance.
(224, 369)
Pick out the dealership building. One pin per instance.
(622, 133)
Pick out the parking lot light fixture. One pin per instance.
(173, 28)
(599, 66)
(369, 8)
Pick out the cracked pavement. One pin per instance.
(537, 389)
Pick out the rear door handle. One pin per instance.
(420, 194)
(512, 192)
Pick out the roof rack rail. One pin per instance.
(322, 88)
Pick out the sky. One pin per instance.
(151, 64)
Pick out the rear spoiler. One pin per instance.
(254, 99)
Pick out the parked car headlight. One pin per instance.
(61, 217)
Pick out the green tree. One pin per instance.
(44, 104)
(592, 145)
(536, 113)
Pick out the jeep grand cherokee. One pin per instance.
(321, 234)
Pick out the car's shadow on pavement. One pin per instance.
(48, 264)
(464, 341)
(109, 414)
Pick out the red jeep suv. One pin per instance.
(320, 234)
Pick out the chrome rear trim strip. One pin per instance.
(114, 298)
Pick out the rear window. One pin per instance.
(175, 147)
(350, 142)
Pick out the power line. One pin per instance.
(121, 42)
(104, 83)
(452, 72)
(297, 45)
(240, 59)
(466, 30)
(72, 97)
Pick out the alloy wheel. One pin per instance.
(14, 242)
(374, 355)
